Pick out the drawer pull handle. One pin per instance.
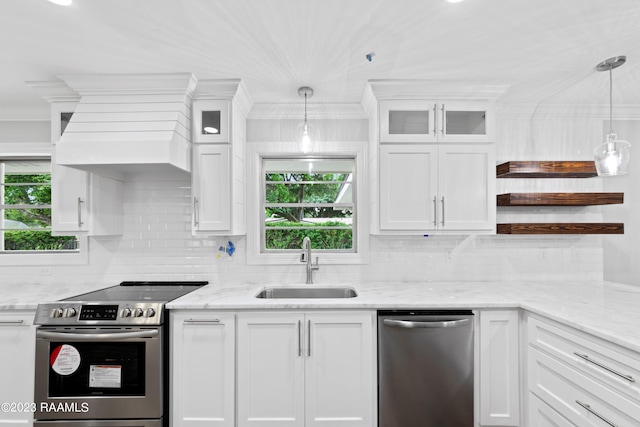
(588, 408)
(588, 359)
(12, 322)
(203, 322)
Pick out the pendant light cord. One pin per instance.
(611, 100)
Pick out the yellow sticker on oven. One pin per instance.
(65, 359)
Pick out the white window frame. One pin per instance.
(39, 258)
(256, 151)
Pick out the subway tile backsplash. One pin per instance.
(157, 245)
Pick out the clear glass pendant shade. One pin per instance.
(612, 156)
(306, 143)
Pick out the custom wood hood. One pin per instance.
(128, 123)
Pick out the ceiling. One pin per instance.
(546, 50)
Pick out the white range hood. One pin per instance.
(129, 124)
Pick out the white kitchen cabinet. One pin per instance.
(429, 121)
(217, 178)
(82, 202)
(499, 368)
(211, 121)
(587, 380)
(202, 369)
(211, 188)
(306, 369)
(17, 361)
(425, 188)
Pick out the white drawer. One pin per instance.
(543, 415)
(610, 364)
(577, 397)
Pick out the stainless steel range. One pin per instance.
(102, 357)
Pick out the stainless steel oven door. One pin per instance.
(98, 373)
(94, 423)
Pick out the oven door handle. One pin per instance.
(97, 337)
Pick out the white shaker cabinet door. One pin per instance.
(202, 370)
(270, 369)
(499, 368)
(69, 199)
(466, 187)
(408, 187)
(340, 369)
(17, 359)
(211, 188)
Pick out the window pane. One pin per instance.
(31, 240)
(318, 216)
(25, 208)
(320, 239)
(308, 192)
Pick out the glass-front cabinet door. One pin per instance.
(408, 121)
(210, 121)
(424, 121)
(464, 121)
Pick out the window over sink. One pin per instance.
(312, 197)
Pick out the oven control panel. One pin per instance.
(112, 313)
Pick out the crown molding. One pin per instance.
(131, 84)
(315, 111)
(436, 89)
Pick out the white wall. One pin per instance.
(622, 253)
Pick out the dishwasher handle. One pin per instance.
(436, 324)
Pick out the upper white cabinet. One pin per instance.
(218, 116)
(428, 121)
(17, 359)
(202, 369)
(211, 121)
(306, 369)
(81, 202)
(429, 188)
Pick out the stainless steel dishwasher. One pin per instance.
(425, 368)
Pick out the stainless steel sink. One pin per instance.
(307, 292)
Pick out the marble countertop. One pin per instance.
(607, 310)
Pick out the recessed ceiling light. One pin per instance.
(62, 2)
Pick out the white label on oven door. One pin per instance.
(65, 359)
(105, 376)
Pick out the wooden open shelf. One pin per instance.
(546, 169)
(561, 228)
(559, 199)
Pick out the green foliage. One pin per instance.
(303, 193)
(31, 240)
(36, 194)
(320, 239)
(28, 195)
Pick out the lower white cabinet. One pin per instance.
(584, 380)
(202, 369)
(17, 361)
(306, 369)
(499, 349)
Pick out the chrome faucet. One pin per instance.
(305, 256)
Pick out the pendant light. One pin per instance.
(612, 156)
(306, 144)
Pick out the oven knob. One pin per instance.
(150, 312)
(57, 312)
(126, 312)
(71, 312)
(137, 312)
